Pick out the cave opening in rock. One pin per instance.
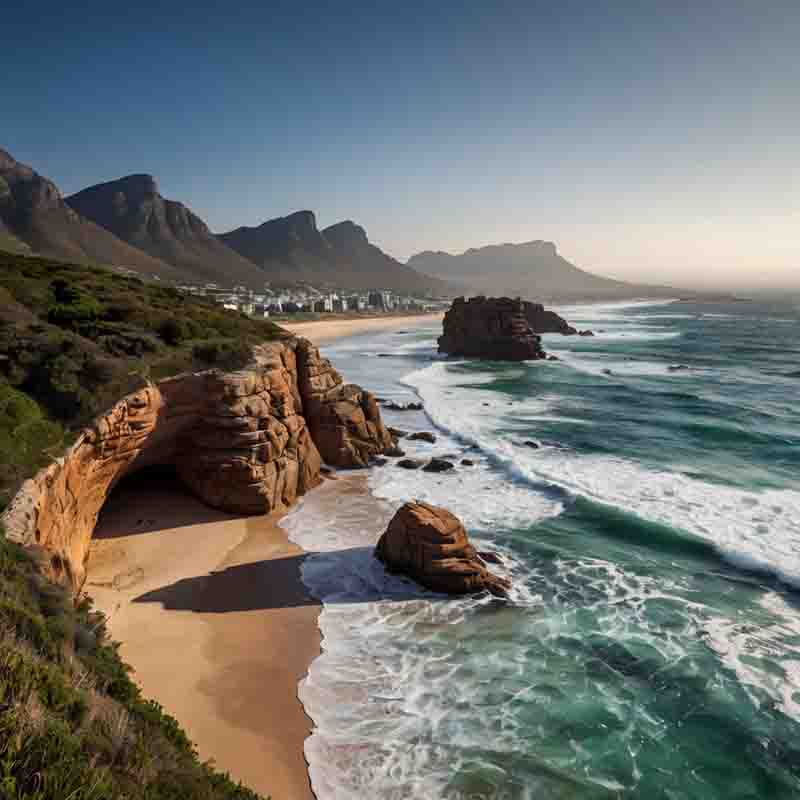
(151, 499)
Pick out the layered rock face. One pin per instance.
(430, 545)
(345, 420)
(250, 451)
(493, 328)
(241, 441)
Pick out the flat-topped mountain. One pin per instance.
(532, 269)
(293, 248)
(34, 214)
(133, 210)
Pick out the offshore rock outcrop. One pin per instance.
(492, 328)
(245, 442)
(430, 545)
(542, 320)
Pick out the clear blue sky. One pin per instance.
(648, 139)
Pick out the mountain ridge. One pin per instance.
(532, 269)
(293, 247)
(34, 212)
(133, 210)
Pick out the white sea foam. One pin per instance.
(754, 529)
(745, 647)
(630, 368)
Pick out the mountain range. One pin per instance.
(530, 269)
(127, 223)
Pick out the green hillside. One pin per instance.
(73, 339)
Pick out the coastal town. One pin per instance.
(305, 298)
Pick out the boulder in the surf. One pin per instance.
(430, 545)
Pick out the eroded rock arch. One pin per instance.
(241, 441)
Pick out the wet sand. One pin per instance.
(212, 615)
(326, 330)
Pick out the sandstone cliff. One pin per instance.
(245, 442)
(493, 328)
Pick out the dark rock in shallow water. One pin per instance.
(379, 461)
(491, 328)
(489, 557)
(586, 333)
(467, 462)
(410, 463)
(677, 367)
(392, 405)
(553, 358)
(430, 545)
(394, 452)
(543, 321)
(533, 445)
(438, 465)
(396, 433)
(423, 436)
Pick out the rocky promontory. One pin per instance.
(430, 545)
(248, 441)
(493, 328)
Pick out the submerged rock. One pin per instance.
(410, 463)
(438, 465)
(430, 545)
(397, 433)
(423, 436)
(393, 405)
(394, 452)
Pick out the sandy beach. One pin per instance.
(326, 330)
(212, 615)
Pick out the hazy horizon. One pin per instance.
(649, 145)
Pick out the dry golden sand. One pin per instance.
(325, 330)
(213, 617)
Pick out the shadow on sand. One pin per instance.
(355, 576)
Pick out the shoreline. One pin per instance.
(327, 330)
(211, 612)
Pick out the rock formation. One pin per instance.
(430, 545)
(493, 328)
(245, 442)
(543, 320)
(345, 420)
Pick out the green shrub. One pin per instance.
(72, 723)
(173, 331)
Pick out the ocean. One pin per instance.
(651, 644)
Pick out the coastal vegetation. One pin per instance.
(73, 339)
(72, 722)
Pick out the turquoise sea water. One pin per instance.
(651, 648)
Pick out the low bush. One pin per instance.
(72, 723)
